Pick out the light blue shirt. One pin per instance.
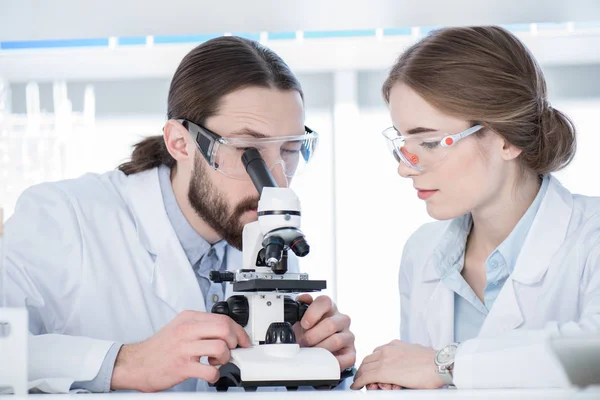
(469, 311)
(203, 258)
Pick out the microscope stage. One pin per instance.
(267, 285)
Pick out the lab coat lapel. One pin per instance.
(505, 314)
(546, 236)
(174, 280)
(439, 315)
(172, 277)
(439, 308)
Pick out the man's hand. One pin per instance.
(399, 364)
(383, 386)
(173, 354)
(324, 326)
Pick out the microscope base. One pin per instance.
(279, 365)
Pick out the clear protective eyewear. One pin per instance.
(423, 151)
(290, 154)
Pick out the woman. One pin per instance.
(515, 257)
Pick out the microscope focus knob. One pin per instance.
(280, 333)
(239, 310)
(236, 307)
(219, 277)
(293, 310)
(220, 307)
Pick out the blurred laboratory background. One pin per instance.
(80, 82)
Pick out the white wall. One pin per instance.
(33, 20)
(583, 174)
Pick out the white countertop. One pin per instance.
(590, 393)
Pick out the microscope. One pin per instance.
(259, 302)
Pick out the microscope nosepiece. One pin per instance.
(274, 246)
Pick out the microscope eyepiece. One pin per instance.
(258, 170)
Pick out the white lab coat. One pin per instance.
(554, 290)
(96, 261)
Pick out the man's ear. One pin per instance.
(177, 140)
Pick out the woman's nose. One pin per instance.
(405, 171)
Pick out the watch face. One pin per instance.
(446, 355)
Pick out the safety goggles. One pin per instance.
(290, 154)
(423, 151)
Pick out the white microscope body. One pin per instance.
(259, 303)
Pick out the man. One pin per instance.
(114, 268)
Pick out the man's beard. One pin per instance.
(211, 206)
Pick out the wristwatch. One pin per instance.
(444, 360)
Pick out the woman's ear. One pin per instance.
(508, 151)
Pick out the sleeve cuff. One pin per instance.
(101, 383)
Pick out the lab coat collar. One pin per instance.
(546, 235)
(144, 198)
(448, 250)
(544, 239)
(172, 277)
